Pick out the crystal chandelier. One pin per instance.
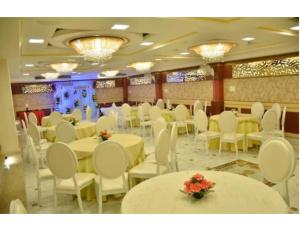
(213, 51)
(50, 75)
(97, 48)
(64, 68)
(110, 73)
(205, 70)
(142, 66)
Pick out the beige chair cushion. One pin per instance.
(146, 170)
(82, 180)
(112, 184)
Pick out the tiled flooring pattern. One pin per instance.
(190, 157)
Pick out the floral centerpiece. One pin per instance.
(197, 186)
(104, 135)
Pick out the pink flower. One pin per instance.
(195, 187)
(187, 187)
(198, 176)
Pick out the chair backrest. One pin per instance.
(283, 118)
(162, 147)
(276, 159)
(26, 118)
(154, 113)
(104, 123)
(77, 114)
(181, 112)
(113, 115)
(17, 207)
(126, 109)
(88, 113)
(32, 118)
(34, 133)
(146, 107)
(141, 113)
(227, 122)
(169, 105)
(257, 109)
(110, 159)
(55, 117)
(160, 103)
(65, 132)
(197, 106)
(173, 141)
(62, 160)
(269, 121)
(201, 121)
(158, 125)
(33, 153)
(205, 106)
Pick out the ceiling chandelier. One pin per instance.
(64, 68)
(142, 66)
(97, 48)
(213, 51)
(110, 73)
(50, 75)
(205, 70)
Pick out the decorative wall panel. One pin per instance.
(109, 95)
(267, 68)
(37, 88)
(34, 101)
(106, 84)
(147, 79)
(141, 93)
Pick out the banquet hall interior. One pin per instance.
(149, 115)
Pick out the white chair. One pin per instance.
(276, 107)
(154, 113)
(197, 106)
(26, 119)
(63, 164)
(115, 118)
(201, 129)
(17, 207)
(88, 114)
(268, 124)
(77, 114)
(110, 161)
(126, 111)
(104, 123)
(146, 108)
(160, 103)
(32, 118)
(205, 106)
(43, 174)
(158, 126)
(228, 134)
(280, 132)
(181, 115)
(65, 132)
(25, 140)
(147, 170)
(169, 105)
(258, 109)
(143, 122)
(277, 162)
(55, 117)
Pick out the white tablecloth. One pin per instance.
(46, 122)
(232, 194)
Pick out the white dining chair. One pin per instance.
(201, 129)
(146, 107)
(228, 126)
(154, 113)
(77, 114)
(169, 105)
(144, 123)
(110, 161)
(277, 108)
(55, 117)
(65, 132)
(268, 124)
(205, 106)
(32, 118)
(127, 116)
(277, 162)
(197, 106)
(160, 103)
(17, 207)
(88, 113)
(25, 142)
(257, 109)
(181, 115)
(105, 123)
(42, 174)
(26, 118)
(146, 170)
(115, 118)
(158, 125)
(63, 164)
(280, 132)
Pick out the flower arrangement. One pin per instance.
(197, 186)
(104, 135)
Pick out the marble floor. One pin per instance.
(189, 156)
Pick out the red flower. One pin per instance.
(187, 187)
(196, 187)
(198, 176)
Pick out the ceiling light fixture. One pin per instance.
(158, 59)
(50, 75)
(29, 65)
(94, 64)
(64, 67)
(248, 39)
(185, 53)
(285, 33)
(295, 28)
(213, 50)
(142, 66)
(110, 73)
(97, 48)
(36, 40)
(120, 27)
(26, 74)
(145, 43)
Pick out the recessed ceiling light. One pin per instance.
(36, 40)
(286, 33)
(158, 59)
(26, 74)
(295, 28)
(248, 39)
(119, 27)
(145, 43)
(185, 53)
(29, 65)
(94, 64)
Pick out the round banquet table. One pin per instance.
(246, 123)
(82, 129)
(232, 194)
(84, 148)
(46, 122)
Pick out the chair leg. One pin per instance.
(287, 197)
(206, 146)
(220, 147)
(54, 198)
(187, 130)
(99, 196)
(130, 182)
(79, 201)
(246, 145)
(236, 150)
(39, 192)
